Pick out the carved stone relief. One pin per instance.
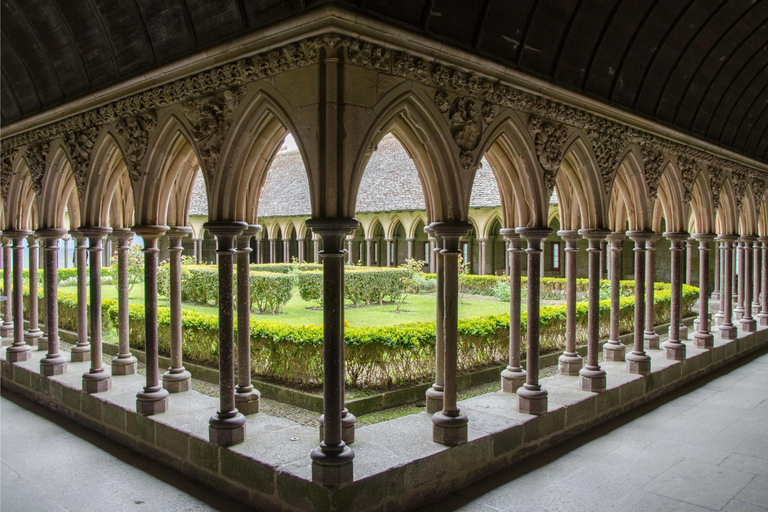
(80, 145)
(550, 147)
(136, 132)
(210, 118)
(652, 161)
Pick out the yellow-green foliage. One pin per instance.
(362, 285)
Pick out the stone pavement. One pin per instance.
(49, 463)
(704, 447)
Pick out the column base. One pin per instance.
(97, 382)
(449, 430)
(247, 402)
(762, 319)
(728, 331)
(614, 351)
(18, 354)
(704, 340)
(738, 313)
(570, 363)
(7, 341)
(6, 330)
(683, 330)
(748, 324)
(348, 421)
(512, 380)
(639, 364)
(80, 354)
(332, 470)
(715, 296)
(434, 396)
(532, 401)
(756, 308)
(226, 431)
(674, 350)
(53, 366)
(177, 382)
(718, 318)
(42, 343)
(652, 339)
(31, 337)
(593, 380)
(124, 365)
(149, 403)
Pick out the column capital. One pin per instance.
(676, 236)
(251, 231)
(764, 239)
(389, 240)
(483, 240)
(17, 235)
(641, 235)
(178, 231)
(748, 238)
(410, 239)
(596, 234)
(450, 233)
(49, 234)
(225, 228)
(122, 236)
(704, 238)
(332, 230)
(533, 234)
(150, 233)
(509, 234)
(95, 232)
(571, 237)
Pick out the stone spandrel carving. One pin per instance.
(689, 168)
(210, 118)
(549, 140)
(739, 189)
(136, 132)
(36, 156)
(466, 121)
(608, 144)
(716, 181)
(6, 172)
(758, 190)
(652, 161)
(80, 145)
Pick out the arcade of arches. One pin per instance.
(623, 188)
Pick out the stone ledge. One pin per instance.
(397, 466)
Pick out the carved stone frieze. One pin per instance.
(550, 140)
(608, 145)
(716, 181)
(6, 172)
(80, 145)
(136, 132)
(210, 119)
(758, 189)
(739, 188)
(689, 168)
(36, 157)
(652, 161)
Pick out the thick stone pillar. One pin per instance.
(272, 250)
(738, 311)
(176, 379)
(227, 426)
(7, 328)
(34, 333)
(570, 362)
(246, 397)
(368, 252)
(153, 399)
(82, 349)
(747, 322)
(593, 378)
(332, 460)
(54, 362)
(674, 348)
(435, 392)
(638, 361)
(756, 276)
(703, 337)
(762, 317)
(409, 242)
(97, 379)
(513, 376)
(532, 397)
(124, 363)
(727, 329)
(614, 349)
(300, 245)
(449, 425)
(482, 267)
(19, 350)
(689, 248)
(316, 249)
(716, 293)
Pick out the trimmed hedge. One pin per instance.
(362, 285)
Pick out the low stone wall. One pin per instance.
(397, 466)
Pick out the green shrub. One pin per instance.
(362, 285)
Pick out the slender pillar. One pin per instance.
(514, 376)
(97, 379)
(390, 251)
(720, 251)
(42, 341)
(82, 349)
(54, 362)
(449, 425)
(738, 311)
(508, 256)
(482, 267)
(65, 242)
(409, 242)
(747, 322)
(153, 399)
(273, 250)
(756, 281)
(259, 252)
(350, 252)
(246, 396)
(435, 392)
(603, 256)
(689, 248)
(570, 362)
(34, 333)
(332, 460)
(196, 243)
(638, 361)
(716, 292)
(532, 397)
(727, 329)
(124, 363)
(7, 328)
(19, 350)
(593, 378)
(300, 245)
(432, 263)
(614, 349)
(176, 379)
(762, 317)
(316, 249)
(703, 337)
(649, 335)
(368, 252)
(674, 348)
(286, 250)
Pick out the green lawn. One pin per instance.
(417, 308)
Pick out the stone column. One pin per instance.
(738, 311)
(332, 460)
(153, 399)
(432, 263)
(19, 350)
(727, 329)
(350, 252)
(603, 256)
(614, 349)
(674, 348)
(124, 363)
(435, 392)
(176, 379)
(763, 315)
(316, 249)
(368, 252)
(246, 397)
(638, 361)
(449, 425)
(689, 248)
(409, 242)
(7, 327)
(65, 241)
(42, 341)
(196, 243)
(570, 361)
(532, 397)
(506, 260)
(54, 362)
(513, 376)
(97, 379)
(482, 266)
(747, 322)
(299, 247)
(703, 337)
(227, 426)
(719, 251)
(33, 334)
(649, 335)
(756, 276)
(593, 378)
(82, 349)
(286, 250)
(259, 252)
(390, 251)
(273, 250)
(716, 292)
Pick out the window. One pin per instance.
(427, 254)
(554, 255)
